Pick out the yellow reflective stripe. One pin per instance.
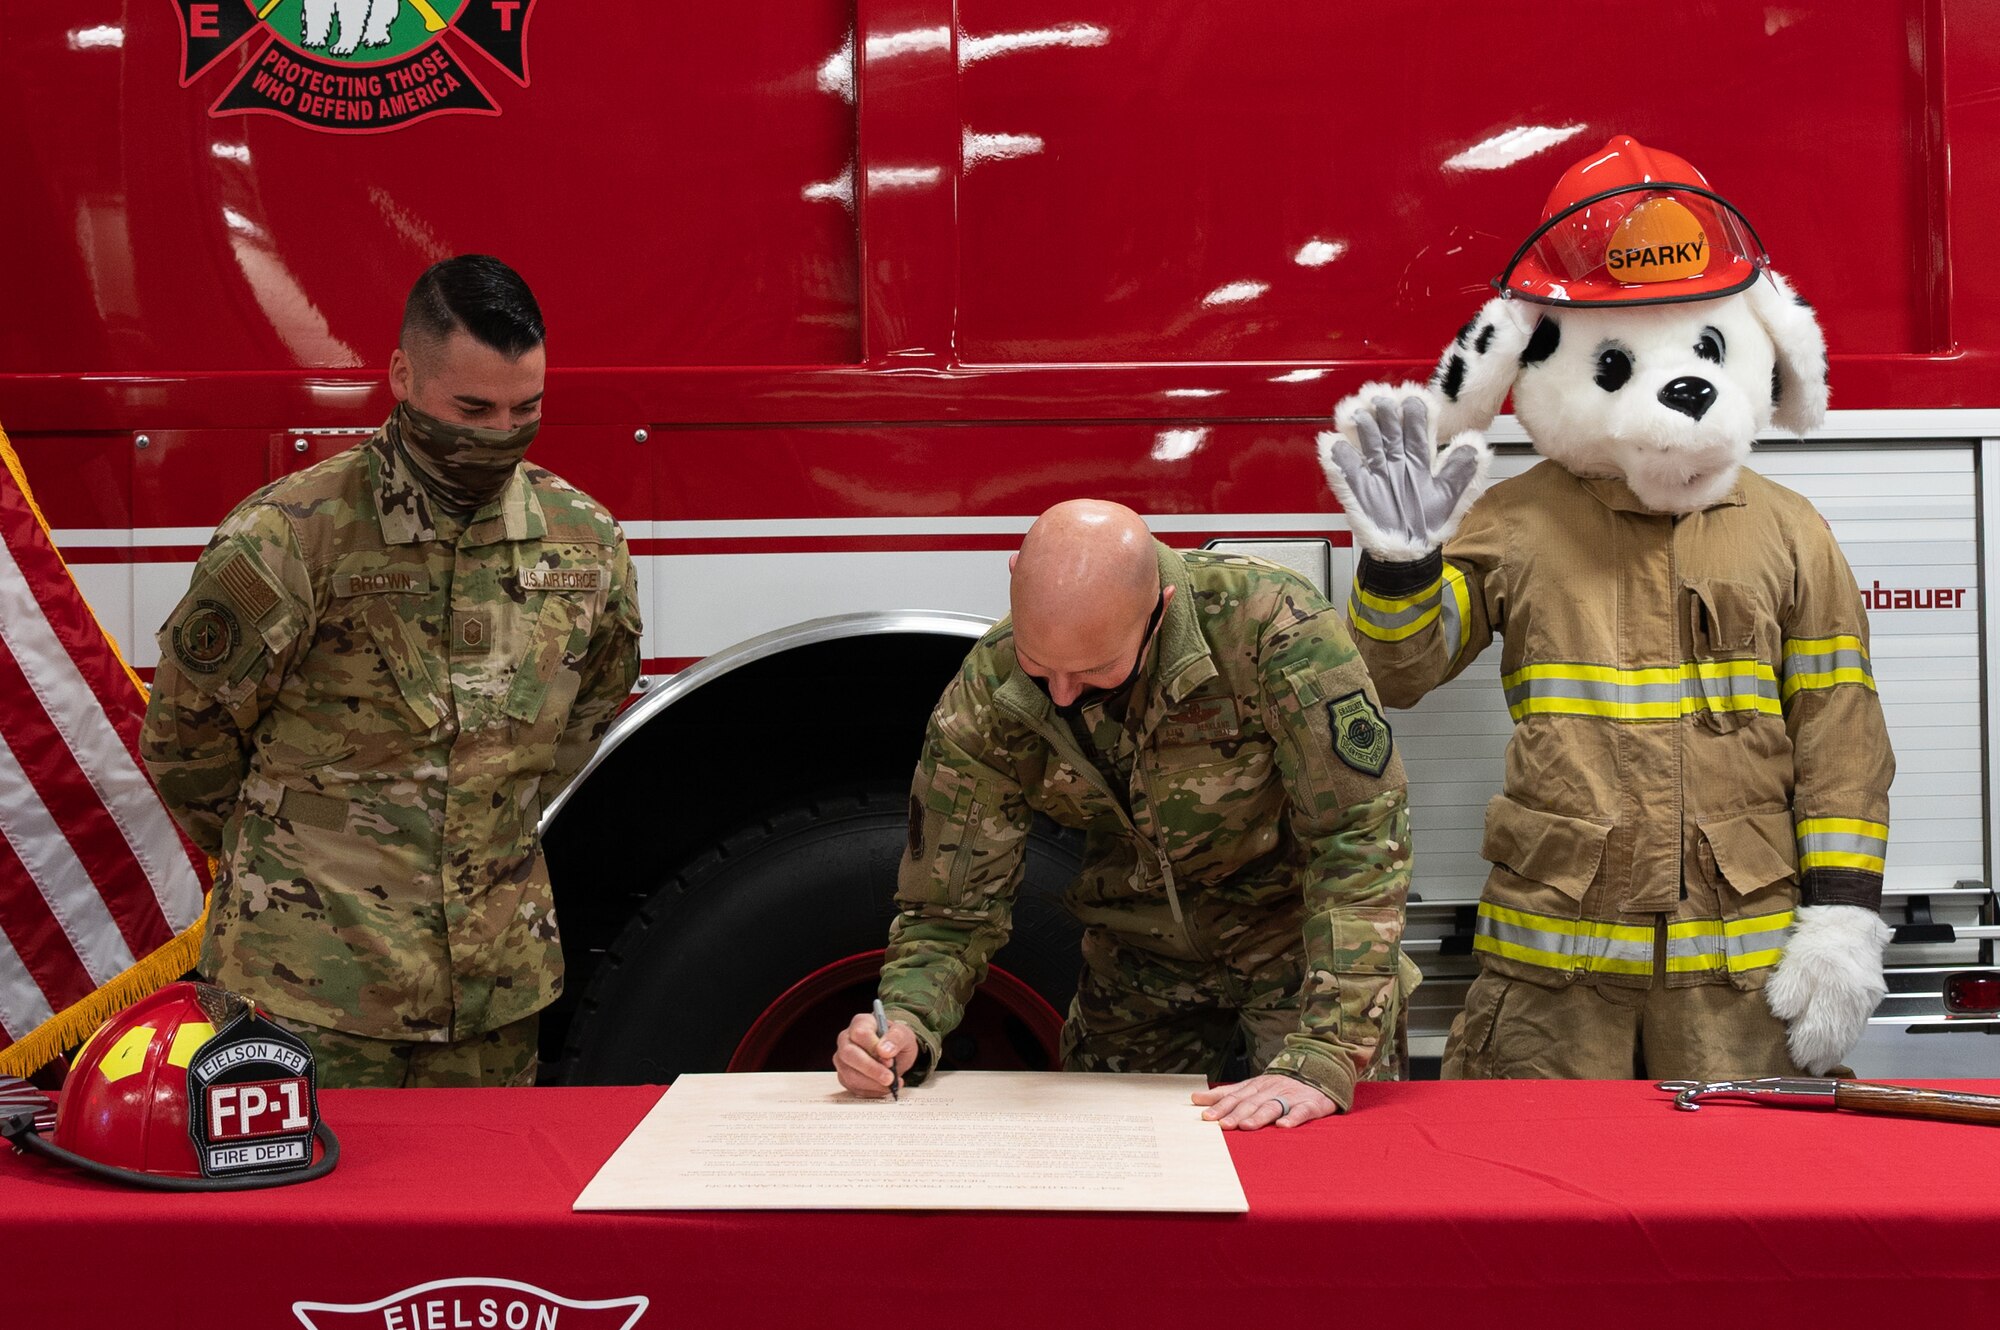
(1762, 923)
(1852, 826)
(1658, 674)
(1819, 646)
(1555, 960)
(1592, 674)
(1827, 679)
(1871, 863)
(1397, 634)
(1569, 927)
(1755, 960)
(1392, 604)
(1711, 960)
(1707, 960)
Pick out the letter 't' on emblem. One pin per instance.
(1360, 734)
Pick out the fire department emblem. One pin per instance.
(354, 66)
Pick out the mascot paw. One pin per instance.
(1829, 982)
(1404, 497)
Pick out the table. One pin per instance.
(1472, 1204)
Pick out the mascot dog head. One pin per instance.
(1641, 334)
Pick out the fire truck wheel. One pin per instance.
(724, 943)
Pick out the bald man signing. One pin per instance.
(1206, 721)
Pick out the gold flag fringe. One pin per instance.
(73, 1023)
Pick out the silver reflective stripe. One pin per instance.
(1451, 616)
(1825, 662)
(1842, 842)
(1737, 945)
(1597, 691)
(1583, 951)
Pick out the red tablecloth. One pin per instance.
(1468, 1205)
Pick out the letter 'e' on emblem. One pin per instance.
(1360, 734)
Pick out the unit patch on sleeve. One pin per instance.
(206, 636)
(1360, 734)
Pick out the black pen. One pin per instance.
(882, 1032)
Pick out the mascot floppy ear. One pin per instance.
(1798, 380)
(1479, 366)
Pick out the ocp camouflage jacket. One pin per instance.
(361, 709)
(1260, 778)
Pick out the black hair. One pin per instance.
(479, 294)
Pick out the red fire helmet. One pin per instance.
(189, 1089)
(1630, 225)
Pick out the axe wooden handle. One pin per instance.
(432, 23)
(1909, 1102)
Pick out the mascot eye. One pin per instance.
(1613, 368)
(1710, 346)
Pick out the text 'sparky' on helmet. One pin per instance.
(190, 1089)
(1630, 225)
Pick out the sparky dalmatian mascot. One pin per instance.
(1687, 856)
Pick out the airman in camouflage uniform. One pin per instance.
(1247, 849)
(362, 705)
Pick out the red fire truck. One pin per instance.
(841, 293)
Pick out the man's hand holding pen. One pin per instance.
(872, 1064)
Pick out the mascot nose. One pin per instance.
(1690, 397)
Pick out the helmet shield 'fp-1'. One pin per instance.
(190, 1089)
(1631, 226)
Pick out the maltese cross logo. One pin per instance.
(354, 66)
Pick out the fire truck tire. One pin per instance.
(741, 922)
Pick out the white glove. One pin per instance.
(1829, 982)
(1402, 499)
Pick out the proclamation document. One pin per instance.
(963, 1140)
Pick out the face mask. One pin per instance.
(464, 468)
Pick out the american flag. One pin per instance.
(100, 894)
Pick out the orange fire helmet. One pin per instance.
(1630, 225)
(191, 1089)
